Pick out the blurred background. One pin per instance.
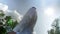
(47, 11)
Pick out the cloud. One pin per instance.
(34, 32)
(3, 7)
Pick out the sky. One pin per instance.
(45, 10)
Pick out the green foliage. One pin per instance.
(8, 18)
(56, 27)
(1, 13)
(14, 24)
(51, 31)
(9, 22)
(2, 30)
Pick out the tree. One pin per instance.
(55, 27)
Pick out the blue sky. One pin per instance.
(44, 21)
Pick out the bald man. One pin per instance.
(27, 24)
